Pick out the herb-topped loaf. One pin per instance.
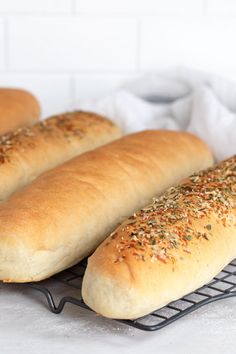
(167, 249)
(28, 152)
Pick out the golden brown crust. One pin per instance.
(30, 151)
(167, 249)
(65, 213)
(17, 108)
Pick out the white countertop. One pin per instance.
(27, 326)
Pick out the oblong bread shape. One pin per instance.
(167, 249)
(18, 108)
(28, 152)
(67, 212)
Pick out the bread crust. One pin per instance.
(67, 212)
(168, 249)
(17, 108)
(30, 151)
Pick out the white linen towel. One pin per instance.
(180, 99)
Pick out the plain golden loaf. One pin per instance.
(67, 212)
(17, 108)
(167, 249)
(30, 151)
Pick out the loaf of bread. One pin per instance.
(17, 108)
(28, 152)
(169, 248)
(67, 212)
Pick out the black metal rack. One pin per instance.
(220, 287)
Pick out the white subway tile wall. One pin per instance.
(141, 7)
(66, 51)
(2, 45)
(53, 91)
(92, 86)
(203, 44)
(35, 6)
(72, 43)
(221, 7)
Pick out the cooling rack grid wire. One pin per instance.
(220, 287)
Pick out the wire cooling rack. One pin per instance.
(220, 287)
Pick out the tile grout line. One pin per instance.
(110, 15)
(73, 7)
(204, 8)
(65, 72)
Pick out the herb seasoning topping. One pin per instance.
(69, 124)
(165, 225)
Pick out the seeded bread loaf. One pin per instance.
(17, 108)
(167, 249)
(67, 212)
(28, 152)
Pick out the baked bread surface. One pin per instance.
(30, 151)
(167, 249)
(67, 212)
(17, 108)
